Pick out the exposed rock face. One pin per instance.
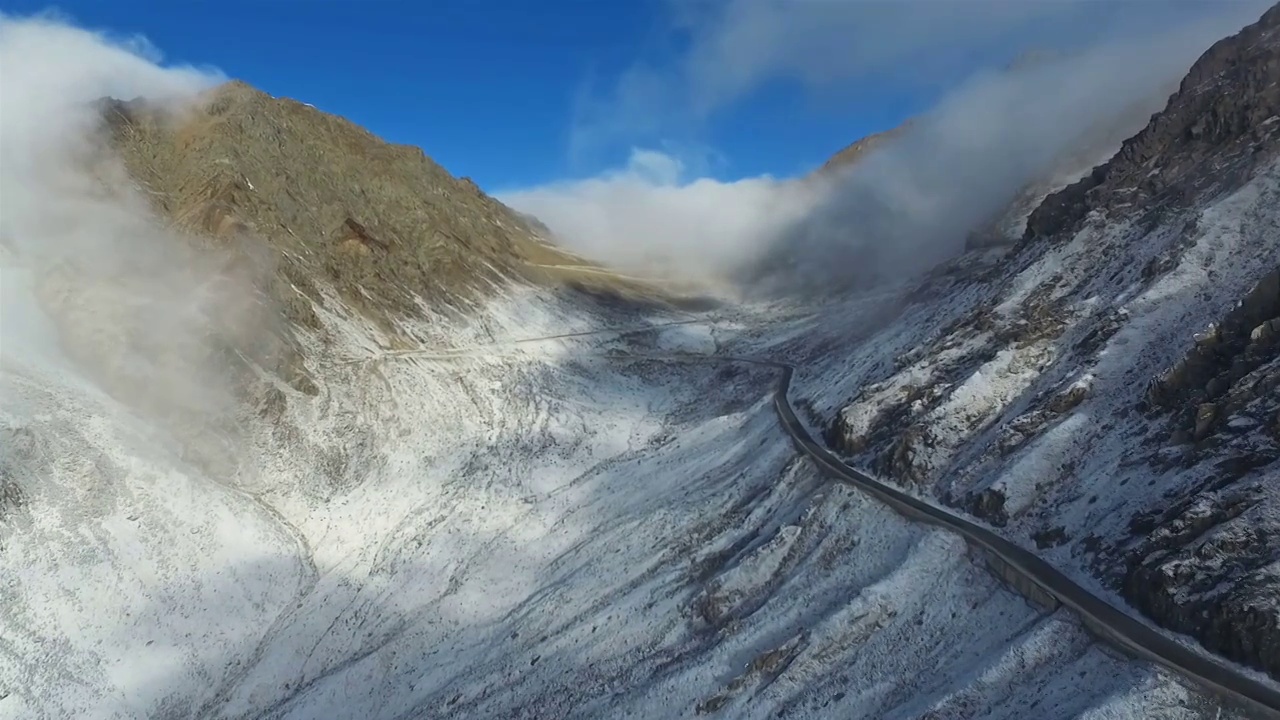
(256, 217)
(1228, 367)
(1206, 564)
(383, 225)
(305, 208)
(265, 211)
(1108, 391)
(1073, 165)
(1217, 129)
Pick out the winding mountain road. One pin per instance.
(1022, 569)
(1035, 577)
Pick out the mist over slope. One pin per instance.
(89, 277)
(904, 206)
(358, 444)
(1104, 391)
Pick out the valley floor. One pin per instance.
(540, 530)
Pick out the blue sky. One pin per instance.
(515, 93)
(487, 87)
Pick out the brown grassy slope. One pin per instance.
(383, 224)
(853, 152)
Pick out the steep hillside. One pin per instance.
(1093, 147)
(511, 513)
(1213, 136)
(297, 425)
(233, 233)
(383, 224)
(1106, 392)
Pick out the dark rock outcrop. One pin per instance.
(1227, 368)
(1217, 129)
(1193, 457)
(1202, 568)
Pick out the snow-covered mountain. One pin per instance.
(308, 493)
(1104, 390)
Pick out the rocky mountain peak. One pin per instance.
(1218, 127)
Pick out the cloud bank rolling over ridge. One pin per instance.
(650, 217)
(91, 279)
(907, 205)
(899, 210)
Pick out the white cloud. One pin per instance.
(648, 218)
(654, 167)
(910, 204)
(84, 259)
(730, 48)
(52, 71)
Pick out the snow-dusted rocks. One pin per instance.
(1106, 390)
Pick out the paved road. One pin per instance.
(1029, 574)
(1021, 566)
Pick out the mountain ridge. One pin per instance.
(1104, 390)
(1202, 116)
(369, 446)
(383, 224)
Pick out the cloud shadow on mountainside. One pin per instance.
(536, 658)
(732, 481)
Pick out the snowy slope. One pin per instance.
(530, 530)
(522, 513)
(1019, 391)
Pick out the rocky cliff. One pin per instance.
(1106, 392)
(1216, 131)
